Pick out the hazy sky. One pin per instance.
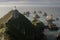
(28, 0)
(7, 5)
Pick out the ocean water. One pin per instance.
(51, 35)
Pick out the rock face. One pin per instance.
(58, 37)
(20, 28)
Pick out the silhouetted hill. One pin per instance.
(19, 27)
